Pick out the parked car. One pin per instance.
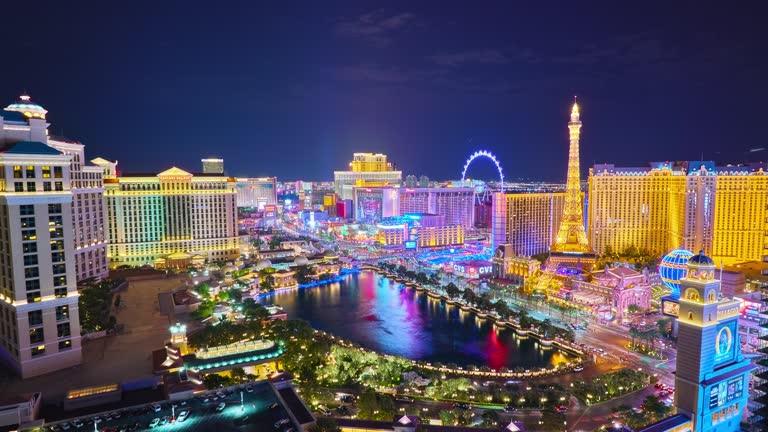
(461, 405)
(561, 408)
(156, 407)
(154, 423)
(405, 399)
(183, 415)
(220, 407)
(281, 423)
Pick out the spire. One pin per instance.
(575, 111)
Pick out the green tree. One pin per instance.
(254, 311)
(235, 295)
(203, 289)
(267, 283)
(304, 274)
(214, 381)
(223, 296)
(274, 242)
(490, 418)
(452, 290)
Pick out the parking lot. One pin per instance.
(259, 411)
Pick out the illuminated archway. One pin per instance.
(485, 154)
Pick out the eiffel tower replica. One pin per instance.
(570, 248)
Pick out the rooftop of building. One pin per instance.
(751, 269)
(29, 147)
(692, 167)
(666, 424)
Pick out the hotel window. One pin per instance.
(30, 186)
(38, 351)
(46, 186)
(27, 209)
(57, 257)
(65, 345)
(59, 269)
(18, 187)
(30, 171)
(35, 317)
(59, 281)
(32, 285)
(31, 272)
(46, 171)
(54, 208)
(36, 335)
(58, 186)
(28, 235)
(55, 220)
(57, 245)
(62, 330)
(30, 260)
(27, 222)
(58, 172)
(56, 233)
(60, 292)
(17, 171)
(33, 297)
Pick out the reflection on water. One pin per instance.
(383, 315)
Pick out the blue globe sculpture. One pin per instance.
(673, 268)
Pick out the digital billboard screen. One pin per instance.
(726, 391)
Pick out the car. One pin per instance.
(156, 408)
(578, 368)
(165, 420)
(220, 394)
(561, 408)
(154, 423)
(323, 409)
(405, 399)
(65, 426)
(108, 417)
(220, 407)
(274, 405)
(461, 405)
(204, 399)
(282, 422)
(77, 423)
(97, 420)
(115, 415)
(249, 389)
(348, 398)
(183, 416)
(183, 403)
(509, 408)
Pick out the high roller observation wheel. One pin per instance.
(485, 154)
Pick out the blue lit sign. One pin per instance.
(410, 244)
(724, 342)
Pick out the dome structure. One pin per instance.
(25, 106)
(701, 260)
(673, 267)
(229, 268)
(263, 264)
(301, 260)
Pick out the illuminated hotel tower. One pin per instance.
(712, 375)
(571, 238)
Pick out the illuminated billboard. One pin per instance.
(727, 391)
(725, 342)
(670, 307)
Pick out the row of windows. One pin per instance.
(31, 187)
(28, 171)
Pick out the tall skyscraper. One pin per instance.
(365, 170)
(570, 246)
(171, 219)
(39, 321)
(213, 166)
(712, 377)
(689, 205)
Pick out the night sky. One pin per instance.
(292, 89)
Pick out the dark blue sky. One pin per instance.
(292, 89)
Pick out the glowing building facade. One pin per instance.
(690, 205)
(39, 319)
(373, 204)
(713, 386)
(213, 166)
(457, 204)
(365, 170)
(532, 221)
(171, 218)
(256, 192)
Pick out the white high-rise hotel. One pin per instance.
(39, 323)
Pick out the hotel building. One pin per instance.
(713, 387)
(365, 170)
(531, 221)
(256, 192)
(690, 205)
(213, 166)
(171, 219)
(457, 204)
(88, 211)
(39, 320)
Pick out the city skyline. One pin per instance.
(400, 80)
